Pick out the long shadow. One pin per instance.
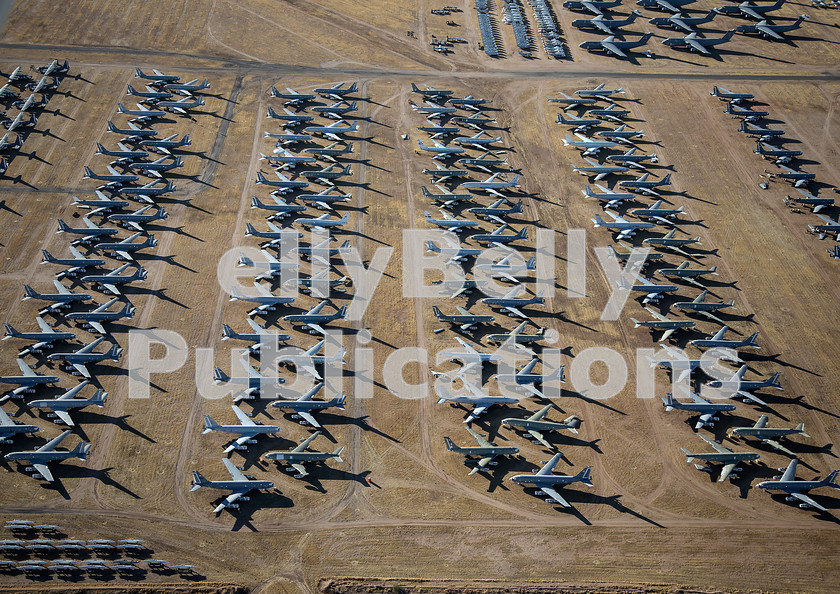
(102, 476)
(168, 259)
(272, 499)
(4, 206)
(101, 418)
(159, 293)
(566, 392)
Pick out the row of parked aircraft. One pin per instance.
(86, 269)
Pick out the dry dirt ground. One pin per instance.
(650, 519)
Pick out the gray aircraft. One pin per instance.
(101, 205)
(437, 131)
(181, 105)
(325, 198)
(671, 242)
(43, 339)
(489, 213)
(259, 335)
(613, 113)
(446, 198)
(188, 88)
(645, 186)
(110, 281)
(85, 355)
(54, 68)
(292, 97)
(829, 226)
(476, 122)
(61, 299)
(749, 115)
(331, 151)
(580, 124)
(808, 199)
(9, 428)
(508, 270)
(337, 91)
(516, 336)
(298, 456)
(612, 198)
(291, 118)
(498, 237)
(798, 178)
(683, 23)
(60, 407)
(328, 173)
(271, 265)
(525, 379)
(132, 133)
(283, 185)
(767, 434)
(304, 406)
(625, 256)
(608, 26)
(618, 49)
(657, 213)
(490, 185)
(153, 168)
(164, 145)
(307, 361)
(721, 455)
(450, 222)
(123, 249)
(698, 44)
(90, 232)
(717, 341)
(314, 318)
(95, 317)
(593, 6)
(469, 102)
(749, 10)
(572, 102)
(486, 451)
(150, 189)
(149, 95)
(441, 151)
(18, 122)
(456, 254)
(28, 103)
(624, 227)
(764, 134)
(623, 134)
(728, 95)
(275, 234)
(432, 93)
(742, 387)
(321, 252)
(142, 113)
(247, 429)
(704, 308)
(333, 131)
(707, 409)
(600, 91)
(780, 155)
(324, 221)
(267, 300)
(589, 145)
(597, 169)
(511, 304)
(431, 110)
(249, 385)
(7, 93)
(534, 426)
(47, 453)
(441, 174)
(239, 485)
(546, 481)
(687, 274)
(43, 85)
(285, 160)
(280, 208)
(770, 30)
(787, 482)
(133, 219)
(464, 319)
(480, 401)
(663, 323)
(157, 77)
(7, 146)
(286, 139)
(669, 5)
(113, 178)
(337, 110)
(479, 139)
(653, 291)
(25, 382)
(456, 287)
(470, 355)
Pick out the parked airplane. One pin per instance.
(470, 356)
(324, 221)
(113, 278)
(780, 155)
(767, 434)
(314, 318)
(671, 242)
(267, 300)
(464, 319)
(669, 5)
(657, 213)
(580, 124)
(78, 263)
(486, 451)
(490, 213)
(593, 6)
(337, 110)
(113, 177)
(717, 341)
(613, 113)
(54, 68)
(591, 146)
(750, 10)
(292, 97)
(598, 170)
(287, 139)
(60, 407)
(612, 198)
(770, 30)
(164, 145)
(332, 131)
(142, 113)
(337, 91)
(535, 426)
(188, 88)
(726, 94)
(324, 199)
(546, 481)
(327, 173)
(157, 77)
(95, 317)
(702, 307)
(259, 335)
(625, 256)
(298, 456)
(624, 227)
(478, 399)
(516, 336)
(653, 291)
(446, 198)
(455, 287)
(476, 122)
(28, 103)
(616, 48)
(60, 299)
(249, 385)
(764, 134)
(572, 102)
(750, 115)
(441, 174)
(608, 26)
(149, 95)
(490, 185)
(7, 93)
(239, 485)
(510, 304)
(450, 222)
(663, 323)
(284, 185)
(281, 209)
(25, 382)
(498, 237)
(721, 455)
(698, 44)
(829, 226)
(479, 139)
(247, 429)
(123, 249)
(133, 219)
(307, 361)
(688, 274)
(151, 169)
(6, 146)
(18, 122)
(524, 379)
(645, 186)
(741, 387)
(321, 252)
(47, 453)
(706, 408)
(809, 199)
(469, 102)
(292, 119)
(437, 131)
(431, 110)
(124, 154)
(43, 339)
(78, 358)
(441, 151)
(431, 93)
(304, 406)
(330, 152)
(798, 178)
(788, 484)
(456, 254)
(9, 428)
(43, 85)
(678, 21)
(272, 265)
(18, 76)
(285, 160)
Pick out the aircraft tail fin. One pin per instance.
(450, 445)
(414, 88)
(343, 312)
(250, 229)
(636, 323)
(198, 480)
(751, 340)
(220, 376)
(271, 113)
(209, 425)
(583, 476)
(30, 292)
(774, 381)
(81, 450)
(431, 247)
(667, 180)
(523, 234)
(829, 480)
(573, 423)
(435, 309)
(88, 172)
(114, 352)
(227, 332)
(801, 428)
(99, 398)
(689, 457)
(10, 332)
(48, 257)
(337, 454)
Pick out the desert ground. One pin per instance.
(400, 509)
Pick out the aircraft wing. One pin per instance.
(555, 496)
(613, 49)
(667, 334)
(539, 437)
(25, 369)
(703, 420)
(98, 326)
(726, 471)
(111, 288)
(299, 468)
(53, 443)
(235, 474)
(230, 499)
(481, 464)
(516, 312)
(750, 12)
(80, 367)
(64, 416)
(602, 27)
(549, 466)
(316, 327)
(244, 419)
(778, 446)
(305, 443)
(718, 448)
(711, 316)
(239, 441)
(752, 397)
(769, 32)
(697, 46)
(44, 472)
(790, 471)
(306, 416)
(43, 325)
(805, 499)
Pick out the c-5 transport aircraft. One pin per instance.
(788, 483)
(609, 27)
(546, 481)
(534, 426)
(247, 429)
(694, 43)
(47, 453)
(486, 450)
(766, 434)
(239, 485)
(750, 10)
(618, 49)
(298, 456)
(721, 455)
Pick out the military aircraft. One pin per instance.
(613, 113)
(469, 102)
(450, 222)
(663, 323)
(726, 94)
(142, 113)
(272, 265)
(323, 199)
(470, 356)
(612, 198)
(749, 115)
(337, 110)
(292, 119)
(671, 242)
(181, 105)
(95, 317)
(314, 318)
(809, 199)
(441, 151)
(593, 6)
(830, 226)
(149, 95)
(60, 407)
(7, 93)
(77, 359)
(333, 130)
(292, 97)
(572, 102)
(280, 208)
(44, 338)
(9, 428)
(446, 197)
(437, 131)
(490, 185)
(258, 337)
(653, 291)
(495, 210)
(328, 173)
(510, 304)
(239, 485)
(132, 132)
(524, 379)
(431, 110)
(767, 434)
(507, 270)
(546, 481)
(475, 122)
(164, 145)
(43, 85)
(324, 221)
(4, 166)
(750, 10)
(764, 134)
(286, 139)
(157, 77)
(787, 482)
(247, 429)
(298, 456)
(18, 122)
(678, 21)
(645, 186)
(780, 155)
(608, 26)
(61, 299)
(625, 256)
(266, 299)
(669, 5)
(28, 103)
(688, 274)
(721, 455)
(702, 307)
(464, 319)
(113, 178)
(329, 152)
(125, 155)
(486, 450)
(456, 254)
(286, 160)
(47, 453)
(624, 227)
(90, 232)
(480, 401)
(478, 139)
(742, 387)
(698, 44)
(284, 185)
(54, 68)
(431, 93)
(516, 336)
(306, 362)
(717, 341)
(589, 145)
(123, 249)
(455, 287)
(770, 30)
(706, 408)
(113, 278)
(152, 168)
(5, 145)
(622, 134)
(188, 88)
(618, 49)
(304, 406)
(133, 219)
(321, 252)
(249, 385)
(580, 124)
(656, 212)
(441, 174)
(337, 91)
(600, 171)
(798, 178)
(534, 426)
(25, 382)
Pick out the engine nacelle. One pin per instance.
(244, 498)
(492, 464)
(716, 418)
(297, 476)
(37, 475)
(539, 492)
(804, 505)
(240, 447)
(790, 498)
(290, 470)
(249, 477)
(733, 477)
(782, 469)
(550, 500)
(302, 423)
(251, 441)
(778, 477)
(29, 469)
(233, 505)
(535, 441)
(737, 469)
